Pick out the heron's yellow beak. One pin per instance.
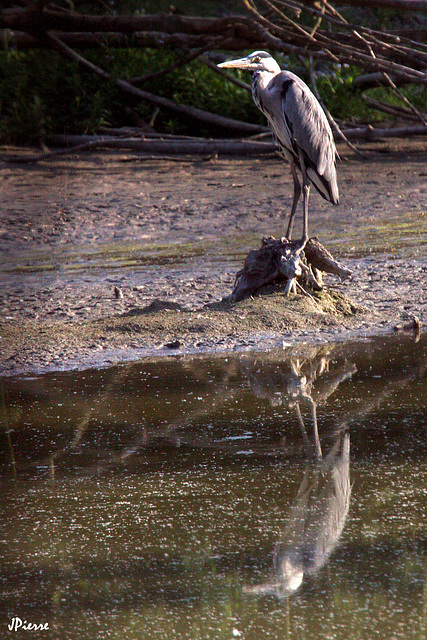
(241, 63)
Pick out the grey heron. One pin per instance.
(316, 521)
(300, 127)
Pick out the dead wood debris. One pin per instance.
(414, 325)
(392, 58)
(271, 24)
(282, 262)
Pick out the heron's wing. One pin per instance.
(304, 127)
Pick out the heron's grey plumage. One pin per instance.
(299, 125)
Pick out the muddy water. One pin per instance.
(276, 494)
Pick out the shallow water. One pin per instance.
(191, 497)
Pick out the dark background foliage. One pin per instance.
(42, 93)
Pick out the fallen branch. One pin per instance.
(158, 40)
(76, 143)
(391, 109)
(236, 32)
(139, 39)
(160, 143)
(154, 144)
(191, 112)
(28, 20)
(401, 5)
(371, 133)
(177, 65)
(339, 46)
(171, 144)
(396, 90)
(48, 155)
(416, 112)
(372, 80)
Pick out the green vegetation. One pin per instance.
(42, 93)
(344, 100)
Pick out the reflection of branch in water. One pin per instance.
(4, 420)
(393, 385)
(307, 378)
(219, 394)
(144, 438)
(81, 427)
(288, 380)
(274, 381)
(316, 520)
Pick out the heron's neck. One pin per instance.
(263, 78)
(260, 81)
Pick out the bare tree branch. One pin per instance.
(221, 72)
(215, 43)
(192, 112)
(395, 58)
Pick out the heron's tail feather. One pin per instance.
(328, 189)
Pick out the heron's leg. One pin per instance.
(305, 195)
(297, 193)
(310, 450)
(317, 446)
(305, 438)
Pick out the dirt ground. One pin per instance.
(111, 257)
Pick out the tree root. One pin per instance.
(284, 262)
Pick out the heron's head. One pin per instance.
(256, 61)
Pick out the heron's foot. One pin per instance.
(314, 278)
(302, 243)
(298, 245)
(291, 266)
(291, 286)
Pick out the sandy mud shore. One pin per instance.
(110, 257)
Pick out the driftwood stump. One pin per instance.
(284, 262)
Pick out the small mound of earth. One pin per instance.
(165, 327)
(261, 314)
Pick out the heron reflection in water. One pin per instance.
(316, 521)
(317, 516)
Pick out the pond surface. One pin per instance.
(278, 494)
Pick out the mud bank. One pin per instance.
(111, 257)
